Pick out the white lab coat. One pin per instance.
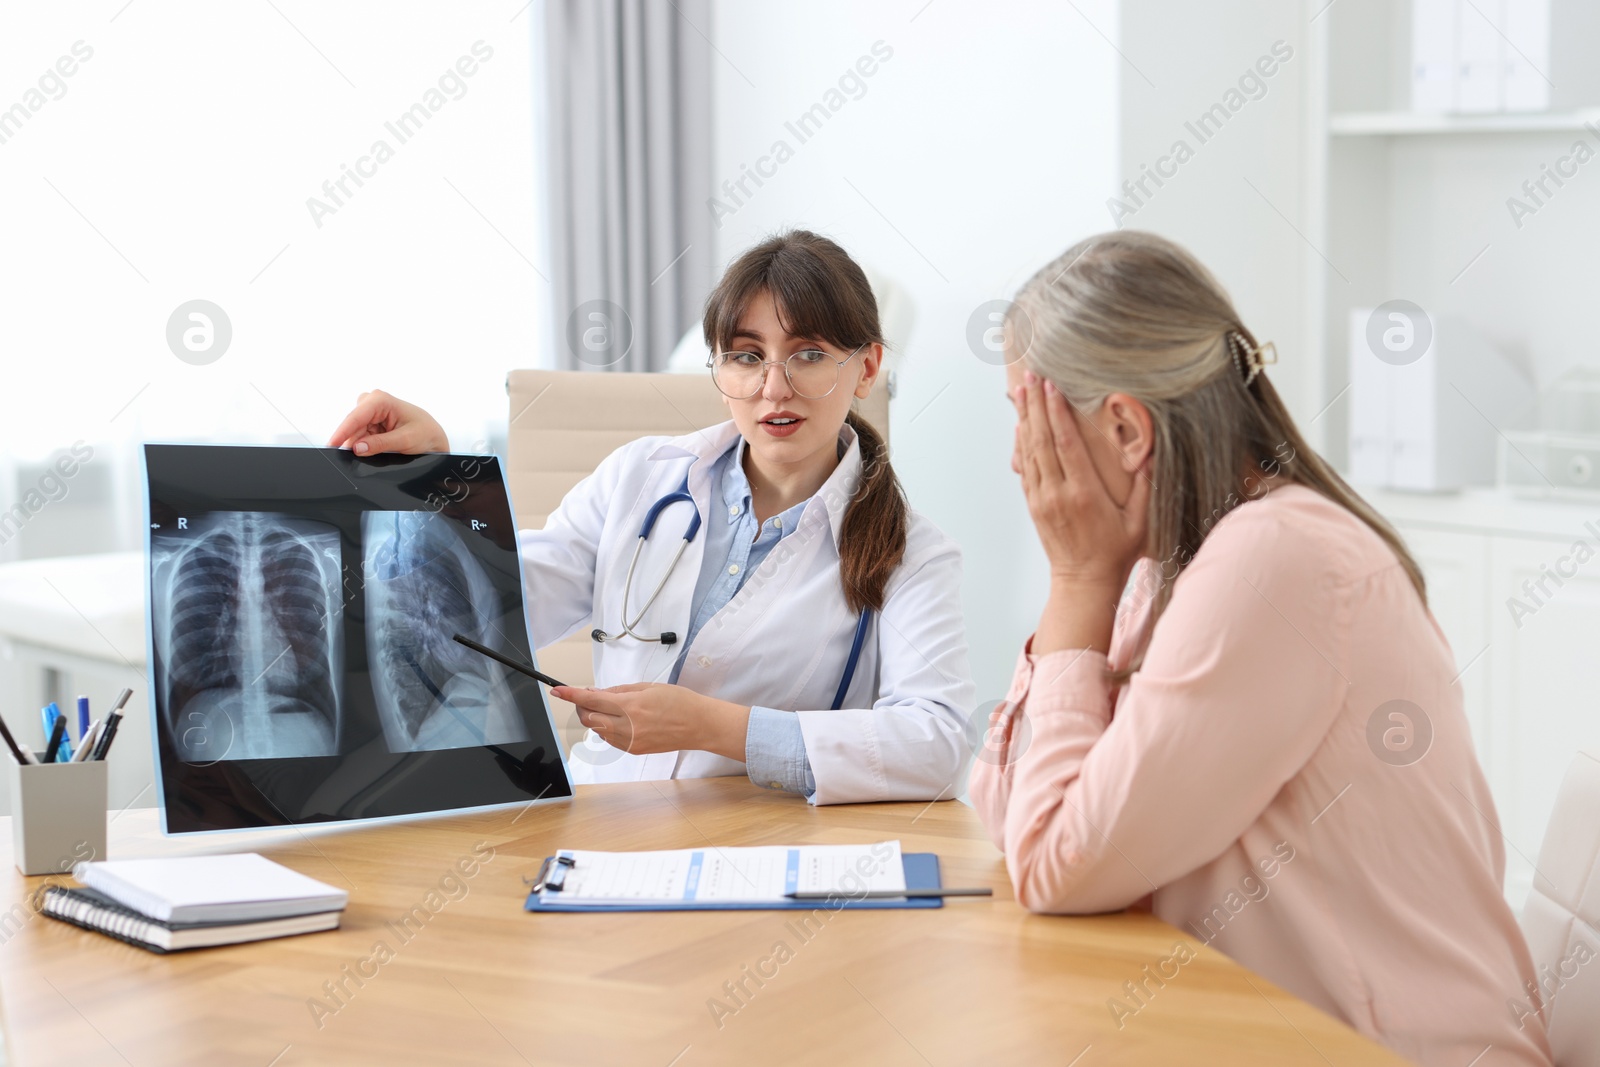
(782, 642)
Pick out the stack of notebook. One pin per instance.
(166, 905)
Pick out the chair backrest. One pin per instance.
(1562, 917)
(563, 423)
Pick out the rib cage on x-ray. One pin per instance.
(424, 586)
(249, 618)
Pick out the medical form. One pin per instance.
(731, 875)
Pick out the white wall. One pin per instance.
(981, 149)
(1188, 56)
(177, 163)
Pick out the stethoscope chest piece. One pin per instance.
(600, 637)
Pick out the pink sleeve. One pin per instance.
(989, 786)
(1237, 689)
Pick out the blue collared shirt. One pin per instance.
(775, 747)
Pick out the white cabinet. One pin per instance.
(1545, 689)
(1426, 191)
(1520, 605)
(1456, 566)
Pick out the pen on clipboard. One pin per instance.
(896, 894)
(515, 665)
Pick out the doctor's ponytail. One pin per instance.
(872, 538)
(820, 292)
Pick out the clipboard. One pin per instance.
(921, 869)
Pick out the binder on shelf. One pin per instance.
(1480, 56)
(1480, 61)
(1433, 55)
(1527, 67)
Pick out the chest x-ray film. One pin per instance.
(302, 613)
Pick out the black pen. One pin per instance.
(893, 894)
(102, 746)
(11, 743)
(52, 746)
(508, 661)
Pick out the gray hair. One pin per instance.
(1131, 312)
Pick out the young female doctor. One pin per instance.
(1265, 745)
(761, 597)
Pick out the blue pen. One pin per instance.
(83, 718)
(49, 716)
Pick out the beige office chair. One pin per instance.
(1562, 917)
(563, 423)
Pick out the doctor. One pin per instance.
(786, 615)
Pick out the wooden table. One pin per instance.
(475, 980)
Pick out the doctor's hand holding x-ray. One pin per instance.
(762, 599)
(383, 423)
(639, 717)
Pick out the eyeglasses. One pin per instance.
(812, 373)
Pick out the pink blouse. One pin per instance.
(1288, 778)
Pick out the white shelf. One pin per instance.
(1490, 511)
(1404, 123)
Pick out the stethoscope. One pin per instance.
(668, 637)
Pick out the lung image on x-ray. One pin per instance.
(300, 620)
(423, 586)
(248, 619)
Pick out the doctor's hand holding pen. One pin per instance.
(646, 717)
(384, 423)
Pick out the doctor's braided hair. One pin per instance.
(821, 293)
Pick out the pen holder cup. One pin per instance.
(58, 815)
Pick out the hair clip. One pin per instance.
(1247, 361)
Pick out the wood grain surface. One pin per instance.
(437, 963)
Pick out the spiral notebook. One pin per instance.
(95, 911)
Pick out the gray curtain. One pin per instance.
(629, 173)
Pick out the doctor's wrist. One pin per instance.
(729, 725)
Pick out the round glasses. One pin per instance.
(812, 373)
